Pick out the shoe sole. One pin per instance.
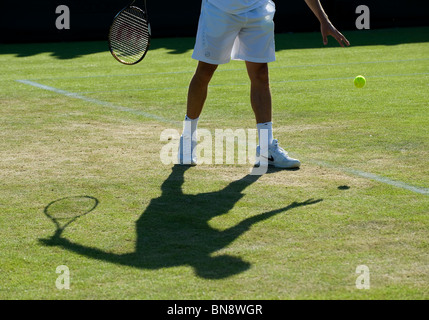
(293, 166)
(188, 164)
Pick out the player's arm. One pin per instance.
(326, 26)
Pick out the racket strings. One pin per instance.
(129, 35)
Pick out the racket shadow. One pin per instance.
(174, 230)
(62, 212)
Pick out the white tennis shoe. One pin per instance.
(278, 157)
(187, 154)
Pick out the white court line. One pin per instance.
(96, 101)
(371, 176)
(235, 69)
(398, 184)
(272, 82)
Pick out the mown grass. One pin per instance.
(210, 232)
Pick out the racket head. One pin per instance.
(64, 211)
(129, 35)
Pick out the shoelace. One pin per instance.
(277, 147)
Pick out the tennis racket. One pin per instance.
(129, 35)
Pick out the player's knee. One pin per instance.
(260, 80)
(259, 75)
(205, 72)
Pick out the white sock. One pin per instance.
(190, 127)
(266, 126)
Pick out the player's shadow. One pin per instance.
(175, 230)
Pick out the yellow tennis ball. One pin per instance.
(360, 81)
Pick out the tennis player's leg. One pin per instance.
(260, 96)
(260, 93)
(217, 31)
(255, 45)
(197, 93)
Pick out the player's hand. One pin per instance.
(328, 29)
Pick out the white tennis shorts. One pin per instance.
(224, 36)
